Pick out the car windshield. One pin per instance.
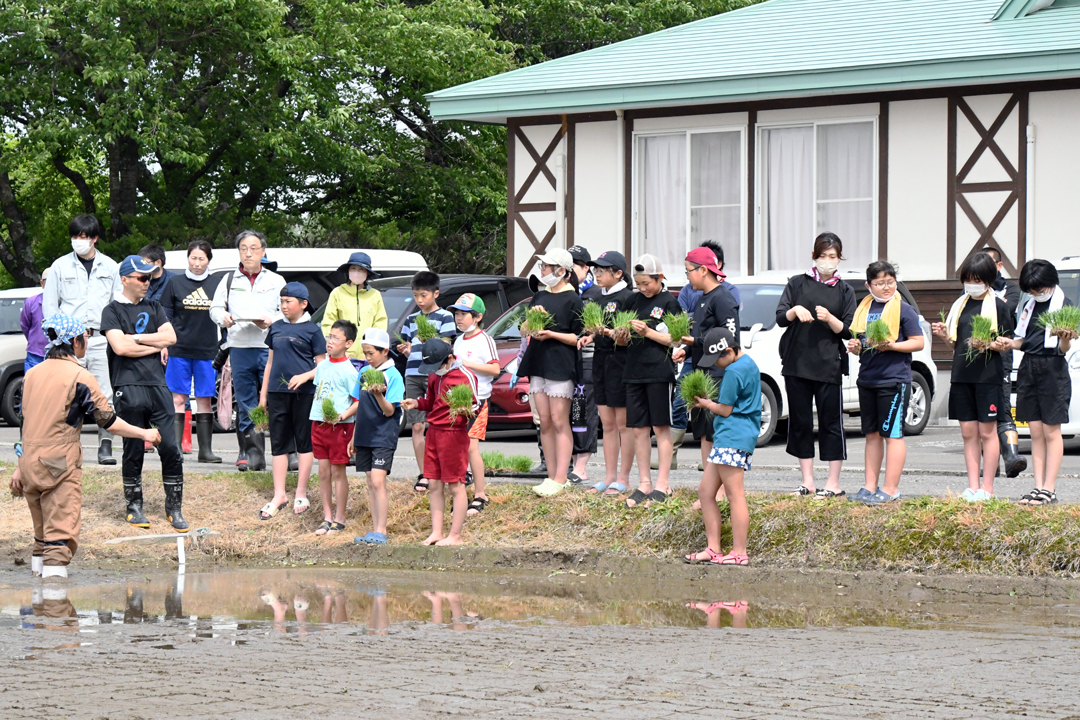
(397, 301)
(10, 309)
(759, 305)
(508, 327)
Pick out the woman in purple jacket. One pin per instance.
(30, 321)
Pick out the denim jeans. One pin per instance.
(248, 366)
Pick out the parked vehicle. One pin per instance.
(761, 340)
(12, 352)
(1069, 281)
(509, 406)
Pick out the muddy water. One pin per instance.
(229, 605)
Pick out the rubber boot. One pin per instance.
(1010, 453)
(204, 431)
(174, 499)
(133, 608)
(294, 462)
(256, 450)
(36, 563)
(104, 451)
(242, 458)
(542, 466)
(133, 496)
(58, 572)
(178, 426)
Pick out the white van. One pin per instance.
(315, 267)
(1069, 281)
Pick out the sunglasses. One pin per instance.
(140, 278)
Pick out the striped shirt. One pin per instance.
(479, 348)
(442, 319)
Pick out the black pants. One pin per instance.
(802, 395)
(585, 442)
(1005, 417)
(148, 406)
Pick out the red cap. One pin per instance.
(704, 256)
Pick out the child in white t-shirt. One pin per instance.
(476, 351)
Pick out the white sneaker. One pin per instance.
(969, 495)
(982, 496)
(548, 488)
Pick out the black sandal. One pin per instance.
(637, 498)
(468, 478)
(421, 484)
(1044, 497)
(335, 527)
(803, 491)
(1032, 498)
(657, 496)
(477, 504)
(325, 527)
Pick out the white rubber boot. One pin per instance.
(53, 571)
(36, 563)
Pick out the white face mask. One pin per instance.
(974, 289)
(826, 267)
(551, 280)
(1044, 297)
(357, 276)
(442, 371)
(81, 246)
(879, 299)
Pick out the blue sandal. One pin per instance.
(598, 487)
(615, 488)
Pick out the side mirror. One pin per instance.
(748, 336)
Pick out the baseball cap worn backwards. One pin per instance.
(705, 257)
(134, 264)
(295, 290)
(716, 341)
(469, 302)
(376, 337)
(648, 265)
(433, 354)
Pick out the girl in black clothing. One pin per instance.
(817, 309)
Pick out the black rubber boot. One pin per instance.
(178, 426)
(204, 430)
(1010, 453)
(294, 462)
(256, 450)
(174, 499)
(104, 451)
(133, 496)
(542, 466)
(242, 458)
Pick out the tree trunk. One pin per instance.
(18, 259)
(124, 171)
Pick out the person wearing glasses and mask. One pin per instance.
(80, 285)
(137, 331)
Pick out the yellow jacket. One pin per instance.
(362, 307)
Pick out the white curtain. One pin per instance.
(790, 199)
(663, 195)
(845, 188)
(716, 194)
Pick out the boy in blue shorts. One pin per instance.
(884, 380)
(378, 417)
(735, 432)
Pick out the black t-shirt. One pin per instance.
(716, 308)
(1035, 338)
(145, 318)
(187, 305)
(649, 361)
(87, 263)
(552, 359)
(295, 346)
(983, 367)
(612, 304)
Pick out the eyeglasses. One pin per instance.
(140, 278)
(552, 268)
(251, 250)
(883, 285)
(694, 268)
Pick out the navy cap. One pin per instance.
(295, 290)
(269, 264)
(434, 354)
(716, 341)
(360, 259)
(611, 259)
(134, 264)
(580, 254)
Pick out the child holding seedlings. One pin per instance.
(887, 332)
(332, 423)
(427, 322)
(297, 346)
(736, 426)
(475, 350)
(649, 378)
(449, 402)
(1045, 331)
(550, 362)
(379, 392)
(977, 328)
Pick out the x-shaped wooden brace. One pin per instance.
(540, 166)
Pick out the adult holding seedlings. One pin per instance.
(977, 328)
(355, 301)
(1047, 326)
(429, 321)
(550, 361)
(137, 331)
(609, 365)
(186, 301)
(246, 302)
(80, 285)
(59, 396)
(297, 346)
(585, 437)
(817, 309)
(649, 378)
(332, 418)
(887, 332)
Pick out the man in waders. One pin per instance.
(58, 396)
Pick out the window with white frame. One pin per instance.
(690, 188)
(815, 178)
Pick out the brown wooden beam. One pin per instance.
(883, 181)
(751, 190)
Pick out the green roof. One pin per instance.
(790, 48)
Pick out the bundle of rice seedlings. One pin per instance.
(698, 384)
(678, 326)
(425, 329)
(1063, 323)
(519, 463)
(460, 400)
(877, 333)
(592, 318)
(260, 417)
(329, 412)
(982, 337)
(536, 319)
(371, 378)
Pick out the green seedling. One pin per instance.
(329, 412)
(536, 319)
(877, 333)
(592, 318)
(678, 326)
(260, 417)
(372, 378)
(460, 399)
(698, 384)
(1065, 321)
(425, 329)
(982, 337)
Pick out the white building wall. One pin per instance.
(1056, 117)
(596, 187)
(917, 193)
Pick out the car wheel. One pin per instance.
(11, 405)
(918, 412)
(770, 415)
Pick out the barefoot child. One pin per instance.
(975, 395)
(447, 444)
(735, 433)
(331, 439)
(378, 417)
(884, 380)
(296, 346)
(1043, 386)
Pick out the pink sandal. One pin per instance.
(691, 559)
(731, 558)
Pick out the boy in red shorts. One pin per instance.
(446, 455)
